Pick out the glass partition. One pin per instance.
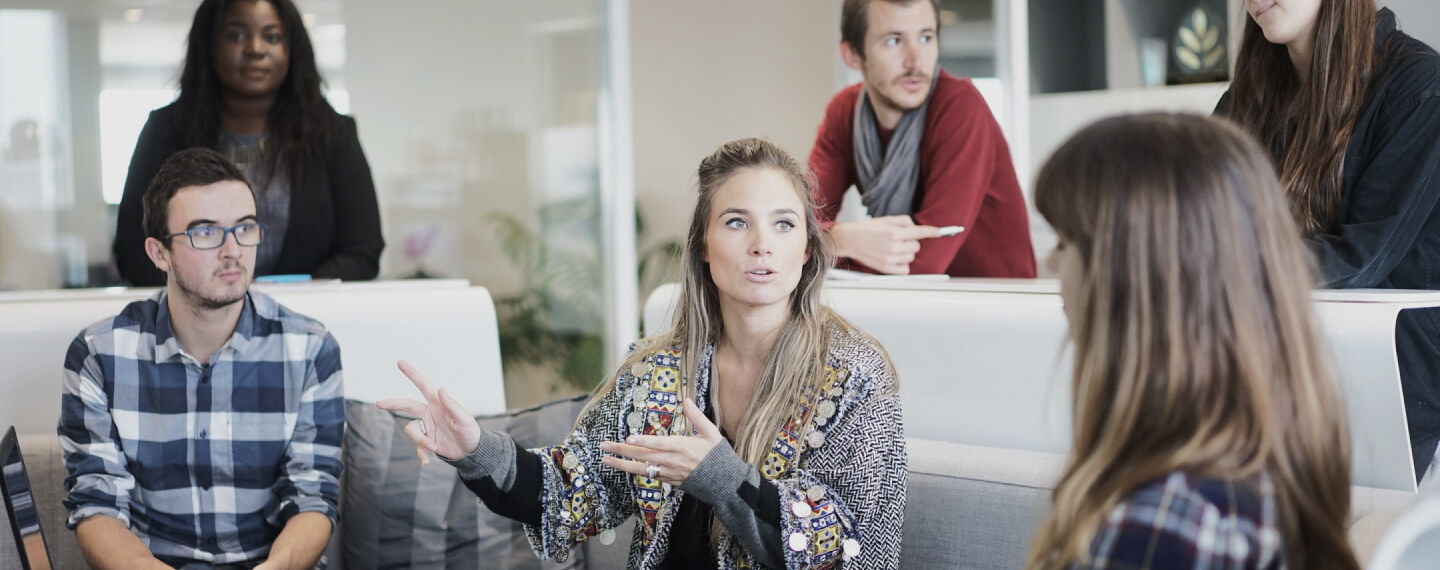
(481, 120)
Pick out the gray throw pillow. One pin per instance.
(395, 513)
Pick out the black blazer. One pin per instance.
(334, 229)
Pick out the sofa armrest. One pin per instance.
(45, 464)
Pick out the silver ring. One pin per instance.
(423, 431)
(652, 470)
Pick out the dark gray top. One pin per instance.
(272, 193)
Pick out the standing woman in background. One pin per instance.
(250, 89)
(1208, 430)
(1348, 107)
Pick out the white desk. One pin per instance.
(445, 327)
(985, 362)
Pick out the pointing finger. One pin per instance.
(920, 232)
(403, 405)
(427, 389)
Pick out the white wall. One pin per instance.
(455, 102)
(1419, 18)
(709, 72)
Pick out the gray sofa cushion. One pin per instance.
(969, 506)
(976, 507)
(397, 514)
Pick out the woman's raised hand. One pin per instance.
(668, 458)
(443, 426)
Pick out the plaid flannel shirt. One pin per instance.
(204, 463)
(1181, 521)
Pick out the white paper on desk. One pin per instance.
(848, 275)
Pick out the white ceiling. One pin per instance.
(158, 38)
(163, 10)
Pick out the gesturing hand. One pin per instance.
(670, 458)
(443, 427)
(886, 244)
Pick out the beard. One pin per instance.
(880, 96)
(208, 300)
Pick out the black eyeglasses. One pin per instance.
(211, 237)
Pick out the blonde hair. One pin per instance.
(795, 368)
(1195, 347)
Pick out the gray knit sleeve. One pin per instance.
(718, 481)
(493, 458)
(844, 501)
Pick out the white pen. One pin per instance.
(947, 231)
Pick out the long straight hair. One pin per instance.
(297, 122)
(794, 370)
(1195, 346)
(1306, 127)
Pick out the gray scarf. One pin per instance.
(889, 175)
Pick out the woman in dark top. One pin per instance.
(761, 430)
(1348, 107)
(250, 89)
(1208, 431)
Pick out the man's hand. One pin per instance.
(105, 542)
(886, 244)
(301, 543)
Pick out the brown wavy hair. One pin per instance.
(1306, 125)
(1195, 347)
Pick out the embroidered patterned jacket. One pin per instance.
(841, 477)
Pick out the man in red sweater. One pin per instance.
(924, 151)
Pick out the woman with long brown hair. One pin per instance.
(1348, 107)
(1208, 429)
(761, 429)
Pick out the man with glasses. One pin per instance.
(202, 426)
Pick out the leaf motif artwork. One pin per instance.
(1212, 37)
(1212, 58)
(1187, 58)
(1198, 43)
(1189, 40)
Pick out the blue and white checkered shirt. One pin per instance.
(204, 463)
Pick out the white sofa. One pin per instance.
(445, 327)
(983, 362)
(975, 494)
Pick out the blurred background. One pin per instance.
(546, 150)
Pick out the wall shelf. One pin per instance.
(1086, 45)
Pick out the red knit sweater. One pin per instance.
(966, 179)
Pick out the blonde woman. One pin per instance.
(761, 429)
(1208, 428)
